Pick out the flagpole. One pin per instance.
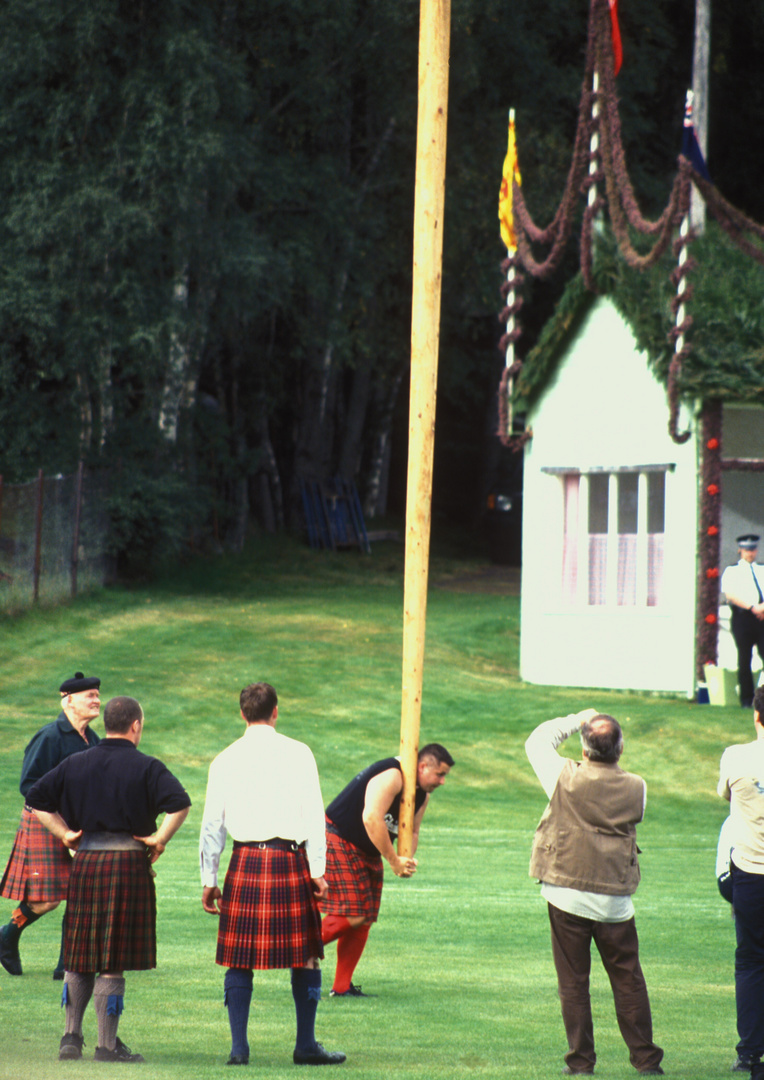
(684, 229)
(594, 141)
(429, 202)
(509, 357)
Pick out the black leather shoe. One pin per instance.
(119, 1053)
(71, 1047)
(319, 1056)
(9, 954)
(352, 991)
(237, 1059)
(744, 1064)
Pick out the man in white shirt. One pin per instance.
(743, 587)
(585, 856)
(264, 791)
(741, 781)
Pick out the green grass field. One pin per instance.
(460, 960)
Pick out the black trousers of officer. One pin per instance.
(747, 631)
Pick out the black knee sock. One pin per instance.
(22, 917)
(306, 991)
(238, 996)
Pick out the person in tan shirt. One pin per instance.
(741, 781)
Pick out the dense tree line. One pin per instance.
(205, 232)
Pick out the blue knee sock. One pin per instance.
(306, 991)
(238, 997)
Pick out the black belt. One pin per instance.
(276, 843)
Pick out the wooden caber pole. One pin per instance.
(429, 199)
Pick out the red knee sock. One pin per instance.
(350, 947)
(332, 927)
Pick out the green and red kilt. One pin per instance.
(269, 917)
(110, 920)
(38, 868)
(354, 879)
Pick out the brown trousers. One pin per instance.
(619, 949)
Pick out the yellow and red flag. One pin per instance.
(510, 173)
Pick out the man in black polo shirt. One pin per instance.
(104, 804)
(362, 827)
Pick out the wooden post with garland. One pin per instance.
(707, 633)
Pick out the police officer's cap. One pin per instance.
(748, 542)
(79, 683)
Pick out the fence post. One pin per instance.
(76, 540)
(38, 537)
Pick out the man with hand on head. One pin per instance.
(104, 805)
(585, 856)
(264, 790)
(362, 827)
(38, 868)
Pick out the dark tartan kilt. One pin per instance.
(269, 917)
(38, 868)
(110, 920)
(354, 879)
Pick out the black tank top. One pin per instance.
(346, 811)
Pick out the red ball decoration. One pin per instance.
(712, 530)
(713, 444)
(713, 489)
(712, 572)
(710, 619)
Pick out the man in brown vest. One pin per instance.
(585, 856)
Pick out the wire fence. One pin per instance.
(53, 538)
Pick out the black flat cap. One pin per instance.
(79, 683)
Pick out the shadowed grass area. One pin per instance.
(460, 959)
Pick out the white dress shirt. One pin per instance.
(740, 581)
(264, 785)
(541, 748)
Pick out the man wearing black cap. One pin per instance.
(38, 868)
(743, 586)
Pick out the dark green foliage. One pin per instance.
(152, 517)
(206, 214)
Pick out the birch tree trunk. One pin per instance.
(375, 502)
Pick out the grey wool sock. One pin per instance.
(109, 997)
(77, 992)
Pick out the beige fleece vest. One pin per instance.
(587, 837)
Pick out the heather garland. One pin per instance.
(598, 114)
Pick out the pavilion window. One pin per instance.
(614, 522)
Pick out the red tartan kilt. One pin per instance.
(110, 920)
(354, 879)
(39, 864)
(269, 917)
